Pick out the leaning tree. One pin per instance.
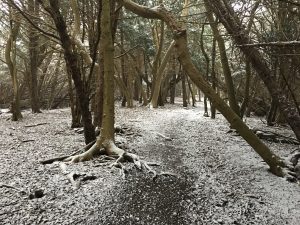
(277, 165)
(105, 142)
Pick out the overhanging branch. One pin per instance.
(276, 43)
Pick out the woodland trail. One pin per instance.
(220, 180)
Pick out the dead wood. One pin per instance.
(29, 140)
(35, 125)
(163, 136)
(11, 187)
(275, 137)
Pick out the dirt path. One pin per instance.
(220, 180)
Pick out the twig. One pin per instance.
(275, 43)
(163, 136)
(34, 125)
(12, 187)
(29, 140)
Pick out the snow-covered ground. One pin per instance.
(219, 178)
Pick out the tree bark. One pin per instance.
(224, 59)
(213, 77)
(276, 164)
(33, 35)
(72, 62)
(183, 85)
(247, 88)
(10, 59)
(159, 76)
(234, 27)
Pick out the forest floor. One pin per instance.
(219, 178)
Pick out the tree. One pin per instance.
(106, 138)
(72, 64)
(33, 9)
(226, 14)
(277, 165)
(11, 57)
(224, 59)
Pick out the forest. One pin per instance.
(150, 112)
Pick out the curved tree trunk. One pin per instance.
(159, 76)
(276, 164)
(10, 59)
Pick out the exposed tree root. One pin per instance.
(113, 152)
(108, 151)
(293, 159)
(61, 158)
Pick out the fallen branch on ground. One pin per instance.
(163, 136)
(12, 187)
(29, 140)
(35, 125)
(274, 137)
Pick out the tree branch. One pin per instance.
(276, 43)
(31, 23)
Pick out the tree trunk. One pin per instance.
(173, 89)
(159, 76)
(271, 114)
(224, 60)
(234, 27)
(72, 62)
(205, 107)
(33, 35)
(106, 139)
(157, 58)
(183, 85)
(276, 164)
(10, 59)
(98, 114)
(247, 89)
(191, 91)
(213, 78)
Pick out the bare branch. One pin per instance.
(276, 43)
(33, 24)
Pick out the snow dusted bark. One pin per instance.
(276, 164)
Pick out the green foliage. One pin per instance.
(138, 32)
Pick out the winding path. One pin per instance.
(220, 179)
